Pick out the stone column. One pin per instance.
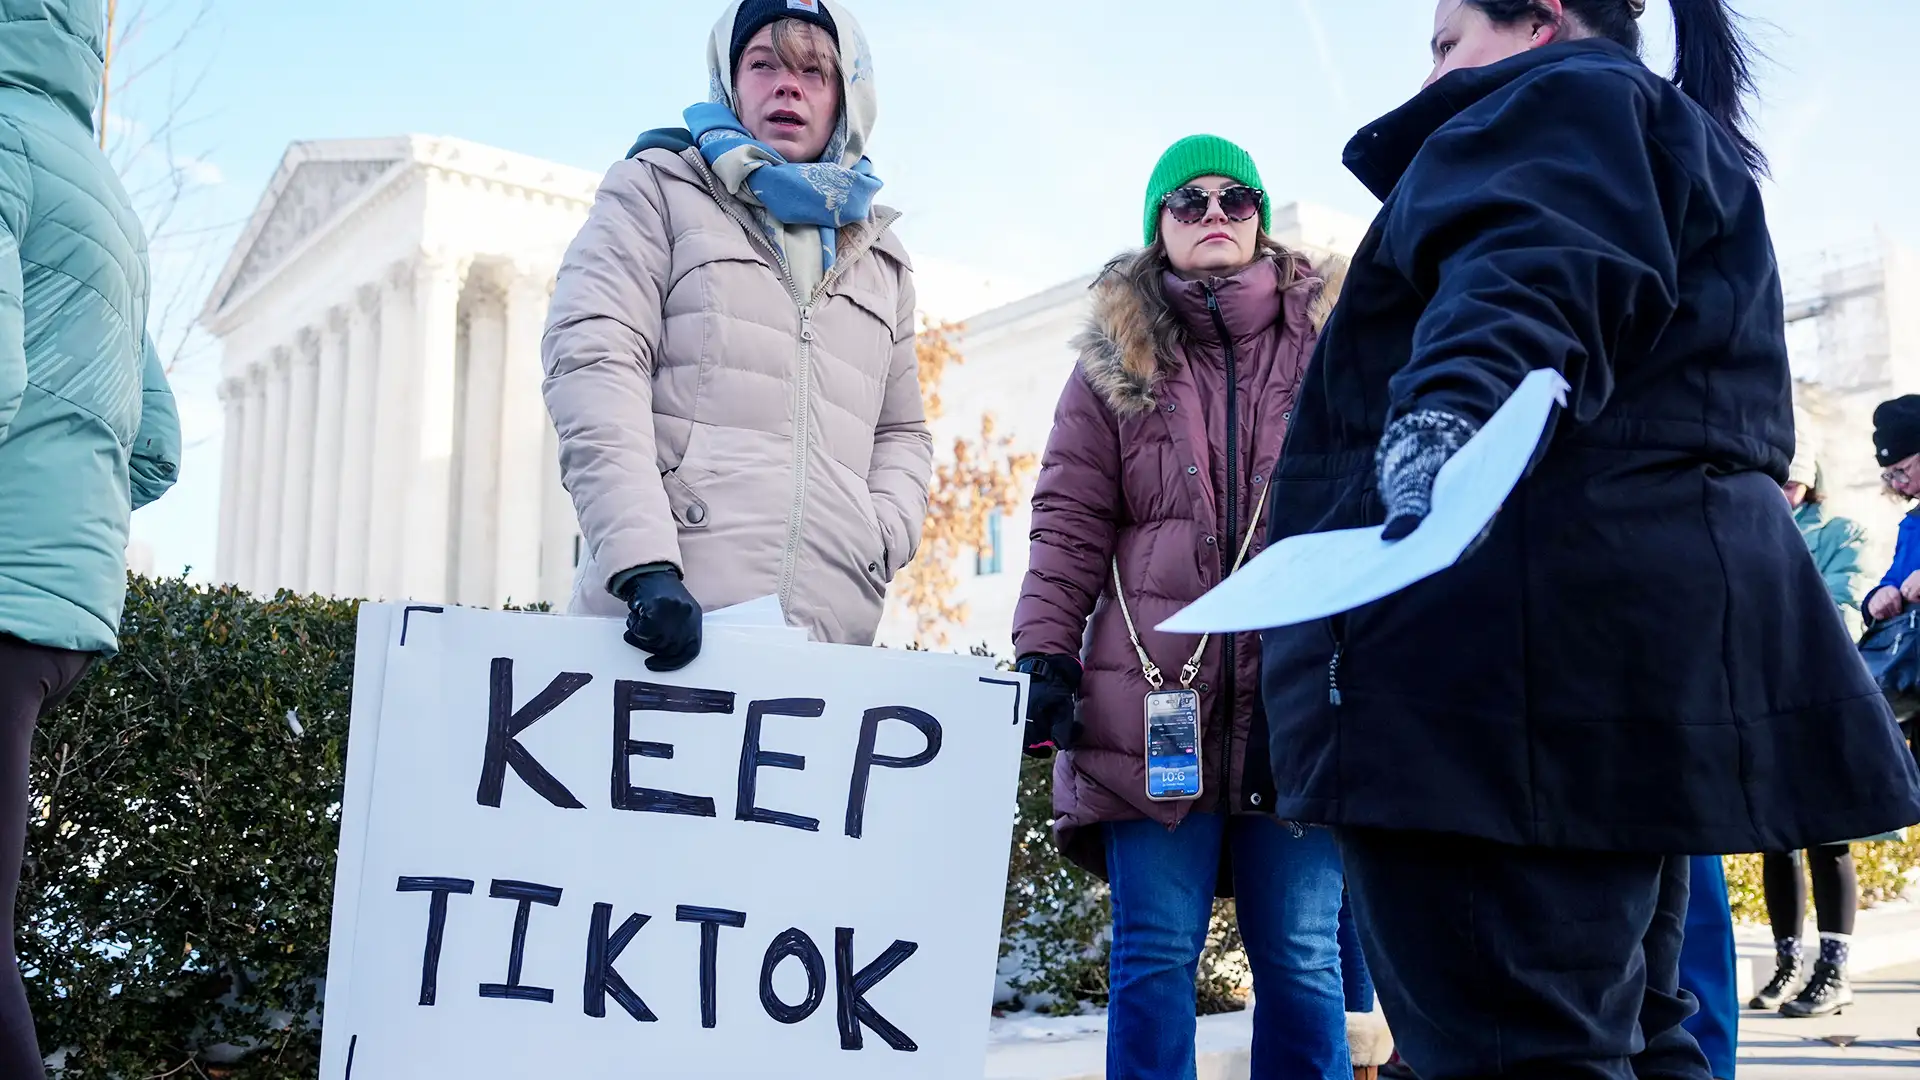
(233, 401)
(356, 444)
(397, 387)
(478, 450)
(560, 528)
(267, 573)
(296, 535)
(246, 508)
(525, 460)
(323, 507)
(426, 462)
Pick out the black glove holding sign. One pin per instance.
(1053, 703)
(663, 619)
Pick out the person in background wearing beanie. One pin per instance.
(1638, 662)
(1835, 544)
(1896, 445)
(729, 352)
(88, 428)
(1150, 492)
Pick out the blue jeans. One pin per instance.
(1707, 966)
(1354, 975)
(1288, 885)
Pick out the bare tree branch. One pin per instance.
(143, 133)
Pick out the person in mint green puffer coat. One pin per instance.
(1834, 542)
(88, 429)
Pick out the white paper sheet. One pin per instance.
(763, 614)
(1317, 575)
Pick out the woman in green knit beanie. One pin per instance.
(1152, 492)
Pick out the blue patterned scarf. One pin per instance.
(826, 194)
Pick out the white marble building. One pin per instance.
(381, 319)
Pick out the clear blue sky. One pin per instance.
(1016, 134)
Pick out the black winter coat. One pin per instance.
(1641, 655)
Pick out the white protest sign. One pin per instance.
(787, 860)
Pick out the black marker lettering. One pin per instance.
(710, 920)
(753, 759)
(528, 895)
(441, 888)
(603, 950)
(633, 697)
(794, 944)
(504, 727)
(866, 759)
(853, 986)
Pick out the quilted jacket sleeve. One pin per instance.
(1076, 515)
(156, 449)
(14, 194)
(902, 446)
(603, 332)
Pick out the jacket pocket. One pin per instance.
(689, 510)
(875, 560)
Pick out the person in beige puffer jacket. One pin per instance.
(734, 384)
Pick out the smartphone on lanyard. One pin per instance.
(1173, 745)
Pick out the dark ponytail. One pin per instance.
(1713, 63)
(1713, 60)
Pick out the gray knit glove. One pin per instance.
(1411, 453)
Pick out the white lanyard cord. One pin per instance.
(1192, 669)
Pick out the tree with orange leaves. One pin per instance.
(981, 475)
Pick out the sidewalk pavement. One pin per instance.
(1885, 937)
(1886, 967)
(1872, 1040)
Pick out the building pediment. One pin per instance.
(320, 184)
(315, 184)
(317, 192)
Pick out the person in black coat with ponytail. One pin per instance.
(1639, 662)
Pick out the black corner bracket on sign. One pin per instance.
(406, 618)
(1019, 714)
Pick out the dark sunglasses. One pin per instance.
(1188, 205)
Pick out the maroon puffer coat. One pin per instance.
(1163, 439)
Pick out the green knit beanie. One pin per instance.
(1197, 156)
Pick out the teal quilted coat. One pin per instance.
(88, 429)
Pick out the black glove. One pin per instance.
(1053, 703)
(663, 619)
(1410, 456)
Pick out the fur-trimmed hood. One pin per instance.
(1128, 346)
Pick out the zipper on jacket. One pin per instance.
(1230, 543)
(1333, 665)
(802, 407)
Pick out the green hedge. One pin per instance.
(179, 876)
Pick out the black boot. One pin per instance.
(1786, 978)
(1826, 994)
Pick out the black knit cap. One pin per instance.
(1896, 429)
(755, 14)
